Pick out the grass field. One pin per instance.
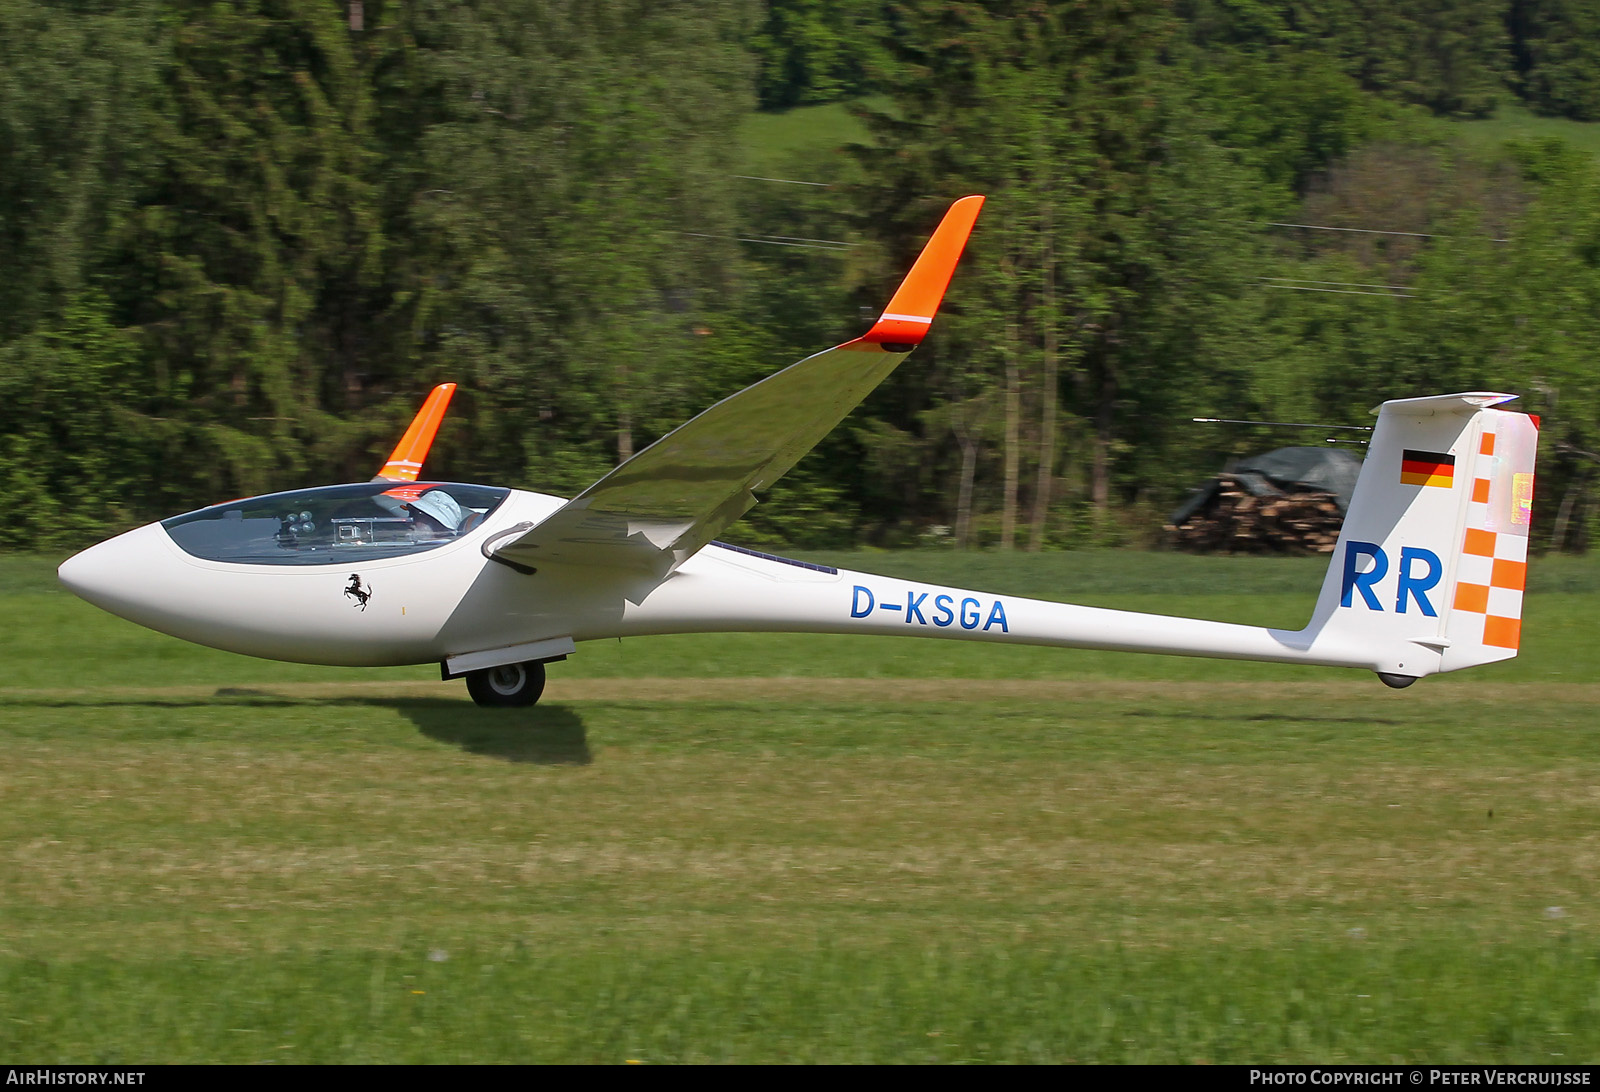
(766, 848)
(772, 143)
(778, 141)
(1512, 121)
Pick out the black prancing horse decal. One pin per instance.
(357, 592)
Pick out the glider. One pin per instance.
(494, 583)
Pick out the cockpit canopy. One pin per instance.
(335, 524)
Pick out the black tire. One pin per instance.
(507, 686)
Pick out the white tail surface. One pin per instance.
(1430, 565)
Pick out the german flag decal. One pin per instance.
(1427, 468)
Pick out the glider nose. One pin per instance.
(115, 575)
(90, 573)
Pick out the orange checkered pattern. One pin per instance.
(1494, 566)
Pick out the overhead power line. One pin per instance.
(777, 240)
(1365, 231)
(1345, 288)
(1290, 424)
(838, 244)
(1341, 291)
(786, 181)
(1342, 284)
(1277, 424)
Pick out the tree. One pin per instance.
(573, 196)
(1105, 264)
(78, 91)
(1450, 56)
(811, 51)
(258, 246)
(73, 457)
(1556, 46)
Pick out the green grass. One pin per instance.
(776, 142)
(1512, 121)
(768, 848)
(940, 1000)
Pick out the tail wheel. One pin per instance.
(507, 685)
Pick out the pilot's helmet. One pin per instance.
(441, 506)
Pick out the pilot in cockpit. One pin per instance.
(438, 515)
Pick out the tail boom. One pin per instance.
(716, 594)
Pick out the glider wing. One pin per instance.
(656, 509)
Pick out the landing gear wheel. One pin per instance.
(508, 685)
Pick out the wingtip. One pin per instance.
(905, 322)
(405, 464)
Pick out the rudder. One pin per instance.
(1491, 571)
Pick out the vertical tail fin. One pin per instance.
(1429, 569)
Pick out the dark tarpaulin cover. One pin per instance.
(1326, 469)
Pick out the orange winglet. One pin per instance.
(906, 320)
(405, 464)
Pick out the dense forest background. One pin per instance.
(239, 240)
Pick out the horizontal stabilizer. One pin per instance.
(1468, 403)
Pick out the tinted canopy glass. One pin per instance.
(336, 524)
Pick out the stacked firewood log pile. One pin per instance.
(1255, 517)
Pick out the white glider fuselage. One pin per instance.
(453, 603)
